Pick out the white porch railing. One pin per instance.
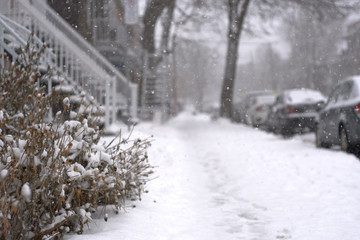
(13, 36)
(83, 64)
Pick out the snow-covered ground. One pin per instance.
(218, 180)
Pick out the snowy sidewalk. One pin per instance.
(219, 180)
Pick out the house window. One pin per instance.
(100, 19)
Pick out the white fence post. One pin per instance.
(107, 102)
(134, 100)
(113, 99)
(143, 86)
(1, 47)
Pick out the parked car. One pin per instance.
(295, 111)
(259, 111)
(241, 108)
(339, 121)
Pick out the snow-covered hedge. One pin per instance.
(54, 173)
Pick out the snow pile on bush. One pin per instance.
(54, 174)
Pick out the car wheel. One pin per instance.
(318, 141)
(285, 133)
(344, 140)
(277, 130)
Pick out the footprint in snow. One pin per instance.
(284, 234)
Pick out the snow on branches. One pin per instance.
(53, 171)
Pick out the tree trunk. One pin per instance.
(237, 13)
(152, 13)
(150, 98)
(167, 23)
(229, 75)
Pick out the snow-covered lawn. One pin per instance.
(218, 180)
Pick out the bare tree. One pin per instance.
(172, 16)
(149, 96)
(237, 11)
(313, 50)
(152, 13)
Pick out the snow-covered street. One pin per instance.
(219, 180)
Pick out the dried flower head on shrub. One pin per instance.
(53, 171)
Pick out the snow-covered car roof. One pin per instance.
(355, 94)
(258, 93)
(355, 79)
(303, 95)
(266, 99)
